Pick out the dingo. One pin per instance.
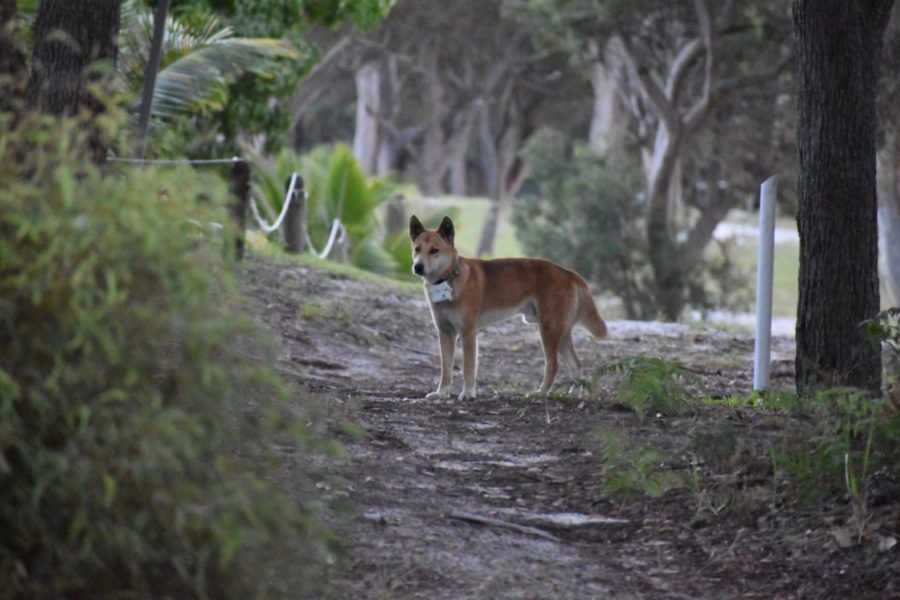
(465, 294)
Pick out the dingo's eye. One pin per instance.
(433, 251)
(418, 249)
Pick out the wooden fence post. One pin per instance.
(295, 220)
(239, 183)
(395, 219)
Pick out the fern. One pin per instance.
(651, 384)
(629, 473)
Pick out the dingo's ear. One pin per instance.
(415, 228)
(446, 229)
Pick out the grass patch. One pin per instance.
(274, 253)
(786, 268)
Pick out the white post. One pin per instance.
(761, 361)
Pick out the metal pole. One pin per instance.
(152, 70)
(768, 192)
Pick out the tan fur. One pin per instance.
(487, 291)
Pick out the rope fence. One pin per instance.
(284, 208)
(176, 161)
(293, 216)
(295, 199)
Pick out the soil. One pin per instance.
(503, 496)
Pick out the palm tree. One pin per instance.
(198, 61)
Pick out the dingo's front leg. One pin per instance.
(448, 349)
(470, 362)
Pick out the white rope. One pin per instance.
(338, 231)
(284, 208)
(336, 228)
(182, 161)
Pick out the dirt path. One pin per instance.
(501, 497)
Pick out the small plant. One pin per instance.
(884, 329)
(633, 472)
(312, 310)
(651, 384)
(840, 454)
(783, 400)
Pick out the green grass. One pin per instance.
(272, 251)
(786, 267)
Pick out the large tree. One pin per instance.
(75, 47)
(72, 40)
(12, 58)
(838, 46)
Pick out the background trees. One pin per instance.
(690, 89)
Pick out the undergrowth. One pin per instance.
(650, 384)
(134, 457)
(633, 472)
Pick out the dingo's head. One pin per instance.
(433, 252)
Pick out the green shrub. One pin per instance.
(126, 466)
(851, 435)
(630, 473)
(586, 216)
(651, 384)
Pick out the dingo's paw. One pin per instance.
(467, 395)
(439, 393)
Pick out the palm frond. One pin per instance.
(198, 61)
(200, 77)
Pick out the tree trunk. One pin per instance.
(889, 215)
(74, 49)
(609, 120)
(13, 72)
(388, 144)
(665, 257)
(501, 160)
(368, 106)
(838, 50)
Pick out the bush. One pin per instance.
(589, 215)
(125, 467)
(586, 216)
(650, 384)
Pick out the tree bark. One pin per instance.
(889, 215)
(368, 107)
(609, 118)
(74, 49)
(838, 50)
(13, 70)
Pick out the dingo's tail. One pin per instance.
(588, 315)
